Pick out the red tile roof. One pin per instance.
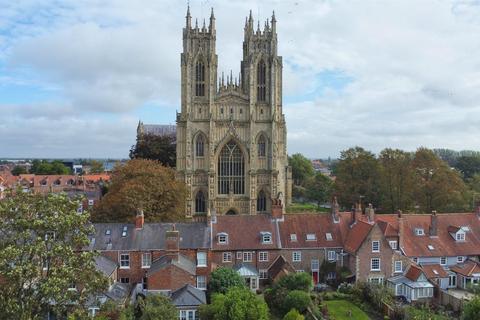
(433, 271)
(243, 232)
(310, 224)
(468, 268)
(413, 272)
(444, 244)
(357, 235)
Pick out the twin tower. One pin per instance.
(231, 132)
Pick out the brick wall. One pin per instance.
(170, 278)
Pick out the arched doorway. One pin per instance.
(231, 212)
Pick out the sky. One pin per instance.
(76, 76)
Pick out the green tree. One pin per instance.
(96, 166)
(224, 278)
(48, 168)
(142, 184)
(302, 168)
(471, 310)
(396, 180)
(237, 304)
(278, 299)
(39, 258)
(357, 177)
(468, 166)
(18, 170)
(156, 307)
(154, 147)
(319, 188)
(293, 315)
(437, 186)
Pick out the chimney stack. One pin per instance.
(353, 216)
(358, 211)
(370, 213)
(400, 229)
(433, 224)
(139, 219)
(335, 209)
(172, 238)
(277, 209)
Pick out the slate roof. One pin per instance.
(159, 129)
(105, 265)
(150, 237)
(179, 261)
(188, 296)
(314, 224)
(118, 292)
(244, 232)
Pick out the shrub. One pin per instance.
(296, 299)
(293, 315)
(224, 278)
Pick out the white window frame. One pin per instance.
(123, 260)
(331, 255)
(91, 202)
(442, 262)
(263, 256)
(296, 256)
(293, 237)
(419, 232)
(263, 274)
(315, 265)
(311, 237)
(247, 256)
(460, 236)
(375, 246)
(222, 238)
(267, 238)
(398, 266)
(393, 244)
(328, 236)
(239, 255)
(146, 260)
(187, 314)
(460, 259)
(202, 282)
(201, 259)
(227, 257)
(379, 264)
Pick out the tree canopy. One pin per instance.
(319, 188)
(39, 258)
(302, 168)
(155, 147)
(237, 304)
(47, 167)
(142, 184)
(224, 278)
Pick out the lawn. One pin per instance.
(305, 207)
(340, 308)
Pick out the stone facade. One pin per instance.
(231, 133)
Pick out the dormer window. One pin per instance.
(222, 238)
(419, 232)
(328, 236)
(311, 237)
(460, 236)
(43, 182)
(293, 237)
(57, 182)
(266, 237)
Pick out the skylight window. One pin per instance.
(293, 237)
(435, 271)
(328, 236)
(108, 232)
(311, 237)
(419, 232)
(430, 247)
(124, 231)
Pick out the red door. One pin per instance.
(315, 277)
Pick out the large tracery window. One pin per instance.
(200, 146)
(261, 202)
(231, 170)
(261, 81)
(200, 79)
(262, 146)
(200, 206)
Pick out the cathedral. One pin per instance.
(231, 132)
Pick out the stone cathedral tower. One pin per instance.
(231, 133)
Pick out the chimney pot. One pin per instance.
(277, 209)
(139, 219)
(433, 224)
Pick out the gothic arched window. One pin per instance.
(261, 202)
(200, 79)
(262, 146)
(200, 206)
(261, 81)
(200, 146)
(231, 170)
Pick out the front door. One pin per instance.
(315, 277)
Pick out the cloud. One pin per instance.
(377, 74)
